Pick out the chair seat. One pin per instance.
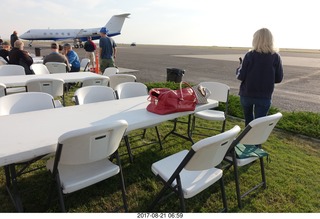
(242, 162)
(211, 115)
(192, 182)
(14, 90)
(76, 177)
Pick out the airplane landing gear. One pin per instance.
(77, 44)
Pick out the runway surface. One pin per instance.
(299, 90)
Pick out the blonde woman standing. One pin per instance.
(260, 70)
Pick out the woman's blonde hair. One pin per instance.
(263, 41)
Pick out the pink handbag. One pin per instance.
(165, 101)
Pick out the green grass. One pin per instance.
(293, 174)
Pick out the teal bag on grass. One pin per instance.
(246, 151)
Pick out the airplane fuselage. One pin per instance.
(63, 34)
(113, 26)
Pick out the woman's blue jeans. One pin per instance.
(254, 107)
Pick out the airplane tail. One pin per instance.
(115, 24)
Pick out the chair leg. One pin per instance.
(224, 125)
(60, 194)
(126, 139)
(263, 174)
(123, 187)
(63, 100)
(193, 125)
(223, 195)
(144, 133)
(236, 177)
(180, 193)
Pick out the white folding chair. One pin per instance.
(82, 159)
(95, 81)
(93, 94)
(56, 67)
(8, 70)
(219, 92)
(248, 146)
(116, 79)
(188, 173)
(54, 87)
(134, 89)
(131, 89)
(84, 64)
(25, 102)
(11, 70)
(110, 71)
(39, 69)
(19, 103)
(3, 90)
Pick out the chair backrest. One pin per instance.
(25, 102)
(95, 81)
(84, 64)
(56, 67)
(93, 94)
(8, 70)
(54, 87)
(209, 152)
(116, 79)
(131, 89)
(39, 69)
(110, 71)
(3, 90)
(219, 91)
(90, 144)
(258, 131)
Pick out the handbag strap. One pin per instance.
(183, 82)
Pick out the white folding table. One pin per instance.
(33, 134)
(20, 80)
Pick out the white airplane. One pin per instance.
(113, 26)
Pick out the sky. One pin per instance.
(294, 23)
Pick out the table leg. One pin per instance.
(11, 179)
(173, 131)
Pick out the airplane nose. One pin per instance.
(22, 36)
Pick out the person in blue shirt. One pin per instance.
(260, 70)
(107, 50)
(73, 58)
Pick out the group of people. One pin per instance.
(14, 53)
(107, 53)
(107, 50)
(64, 54)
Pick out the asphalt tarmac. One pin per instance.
(299, 91)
